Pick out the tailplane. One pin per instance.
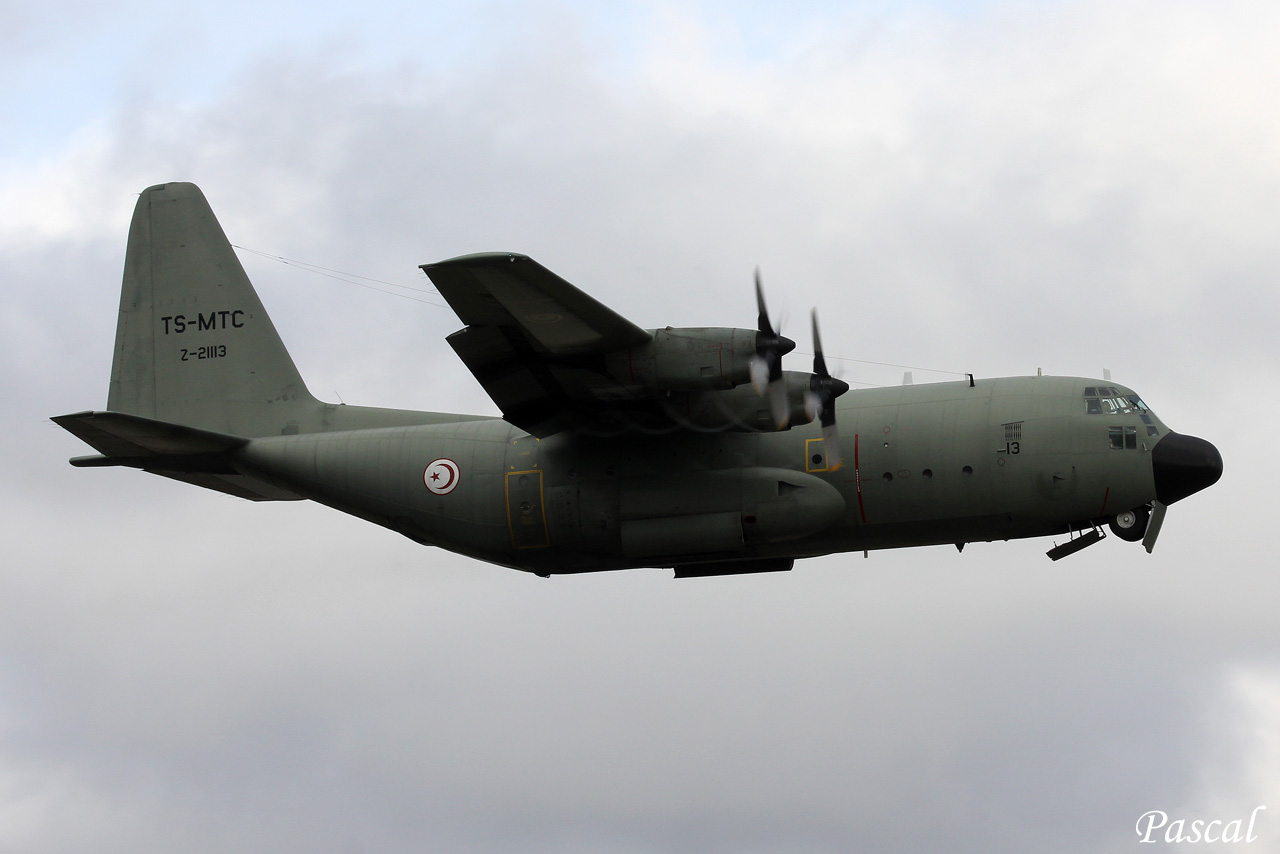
(188, 454)
(199, 370)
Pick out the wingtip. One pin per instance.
(476, 258)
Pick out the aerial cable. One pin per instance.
(349, 278)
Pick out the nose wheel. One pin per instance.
(1130, 525)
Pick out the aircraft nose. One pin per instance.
(1183, 465)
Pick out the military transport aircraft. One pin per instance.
(618, 447)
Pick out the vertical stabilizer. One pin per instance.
(194, 345)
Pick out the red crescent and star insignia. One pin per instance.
(441, 476)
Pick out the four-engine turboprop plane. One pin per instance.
(618, 447)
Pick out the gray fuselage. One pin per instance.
(922, 464)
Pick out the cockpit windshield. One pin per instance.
(1109, 400)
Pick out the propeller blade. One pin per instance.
(819, 363)
(778, 405)
(821, 383)
(832, 441)
(812, 405)
(766, 364)
(759, 374)
(762, 311)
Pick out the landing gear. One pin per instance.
(1140, 523)
(1130, 525)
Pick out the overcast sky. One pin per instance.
(987, 187)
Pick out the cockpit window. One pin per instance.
(1108, 400)
(1123, 438)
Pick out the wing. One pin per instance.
(537, 344)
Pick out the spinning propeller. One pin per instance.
(766, 377)
(766, 364)
(820, 400)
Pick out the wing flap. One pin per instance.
(535, 342)
(508, 290)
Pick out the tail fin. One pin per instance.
(194, 345)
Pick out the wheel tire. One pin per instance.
(1130, 525)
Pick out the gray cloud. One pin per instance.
(1078, 187)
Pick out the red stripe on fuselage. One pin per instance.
(857, 480)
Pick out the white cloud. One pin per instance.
(1245, 766)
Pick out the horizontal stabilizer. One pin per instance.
(182, 453)
(114, 434)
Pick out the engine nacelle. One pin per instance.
(687, 359)
(739, 408)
